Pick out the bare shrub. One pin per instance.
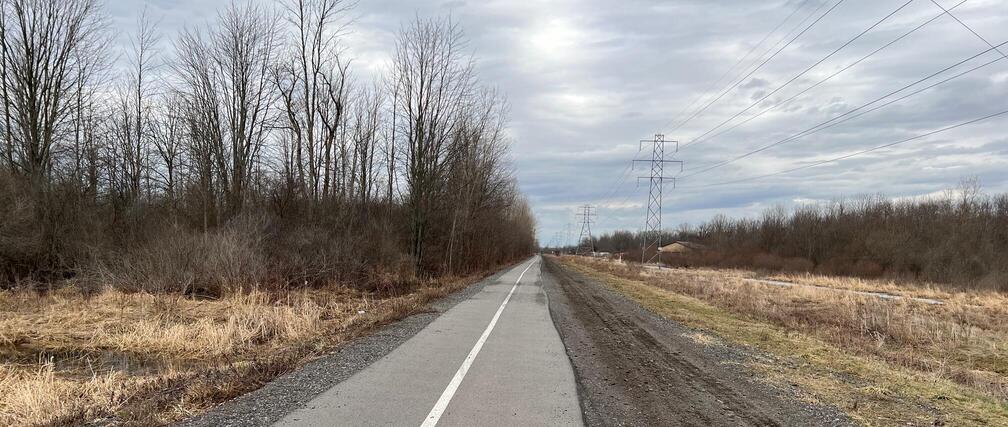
(180, 260)
(866, 268)
(21, 242)
(834, 266)
(797, 264)
(959, 239)
(766, 261)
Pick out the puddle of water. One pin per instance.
(84, 363)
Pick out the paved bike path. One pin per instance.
(493, 359)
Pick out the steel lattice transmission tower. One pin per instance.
(652, 220)
(586, 246)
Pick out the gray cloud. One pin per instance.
(587, 79)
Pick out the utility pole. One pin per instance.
(587, 214)
(652, 228)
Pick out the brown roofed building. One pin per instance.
(682, 248)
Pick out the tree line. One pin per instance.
(958, 238)
(250, 139)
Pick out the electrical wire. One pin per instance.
(714, 84)
(858, 153)
(827, 78)
(799, 75)
(847, 115)
(767, 60)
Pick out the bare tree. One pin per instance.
(132, 117)
(390, 149)
(258, 106)
(201, 114)
(477, 178)
(367, 124)
(433, 82)
(167, 133)
(312, 82)
(48, 50)
(226, 79)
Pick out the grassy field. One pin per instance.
(68, 357)
(883, 362)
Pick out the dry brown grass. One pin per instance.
(68, 357)
(942, 292)
(963, 341)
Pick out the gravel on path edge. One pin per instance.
(291, 391)
(601, 366)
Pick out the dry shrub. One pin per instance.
(834, 267)
(765, 261)
(958, 240)
(179, 260)
(994, 281)
(22, 246)
(867, 268)
(797, 264)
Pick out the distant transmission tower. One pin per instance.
(570, 235)
(653, 228)
(586, 247)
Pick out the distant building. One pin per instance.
(682, 248)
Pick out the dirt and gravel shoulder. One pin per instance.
(636, 368)
(289, 392)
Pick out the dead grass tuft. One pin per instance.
(138, 358)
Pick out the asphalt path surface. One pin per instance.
(534, 345)
(492, 359)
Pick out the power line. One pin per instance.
(797, 76)
(610, 195)
(827, 78)
(625, 174)
(706, 91)
(606, 216)
(834, 121)
(949, 13)
(723, 93)
(858, 153)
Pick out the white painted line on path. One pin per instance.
(435, 413)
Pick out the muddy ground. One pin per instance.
(635, 368)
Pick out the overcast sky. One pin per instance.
(587, 80)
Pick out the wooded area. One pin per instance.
(247, 153)
(958, 238)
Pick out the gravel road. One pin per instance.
(635, 368)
